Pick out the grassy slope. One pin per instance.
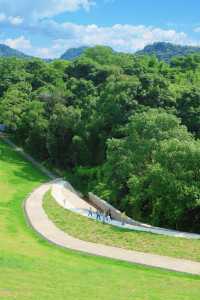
(32, 269)
(90, 230)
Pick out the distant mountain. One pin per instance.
(162, 50)
(165, 51)
(73, 53)
(6, 51)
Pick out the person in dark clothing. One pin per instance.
(109, 215)
(90, 212)
(98, 215)
(104, 217)
(123, 218)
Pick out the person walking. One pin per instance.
(98, 215)
(109, 215)
(123, 218)
(90, 213)
(104, 216)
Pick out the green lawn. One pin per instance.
(33, 269)
(93, 231)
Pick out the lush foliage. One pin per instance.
(128, 126)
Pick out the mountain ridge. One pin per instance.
(166, 51)
(162, 50)
(6, 51)
(73, 53)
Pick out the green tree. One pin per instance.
(188, 107)
(146, 171)
(62, 128)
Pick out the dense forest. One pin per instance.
(128, 126)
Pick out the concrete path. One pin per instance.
(67, 197)
(40, 222)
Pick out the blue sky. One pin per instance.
(46, 28)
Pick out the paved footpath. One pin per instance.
(67, 197)
(40, 222)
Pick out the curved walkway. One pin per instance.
(40, 222)
(65, 195)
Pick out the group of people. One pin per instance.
(101, 216)
(105, 216)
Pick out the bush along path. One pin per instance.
(40, 222)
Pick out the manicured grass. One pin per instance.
(97, 232)
(33, 269)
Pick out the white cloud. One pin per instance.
(2, 17)
(125, 38)
(42, 8)
(15, 20)
(19, 43)
(22, 44)
(197, 29)
(43, 52)
(11, 20)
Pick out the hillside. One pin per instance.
(165, 51)
(7, 51)
(73, 53)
